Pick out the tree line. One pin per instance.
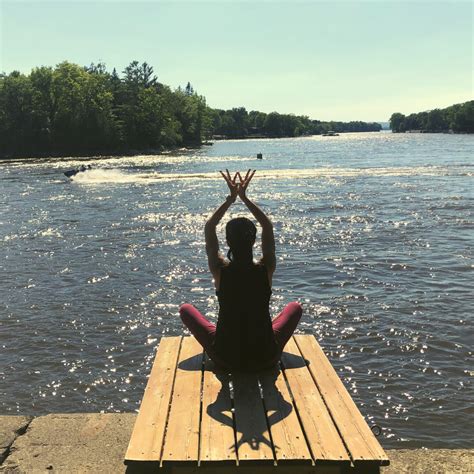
(457, 118)
(238, 123)
(71, 109)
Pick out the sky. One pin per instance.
(337, 60)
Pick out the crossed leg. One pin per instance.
(285, 323)
(204, 331)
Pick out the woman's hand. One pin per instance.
(244, 183)
(231, 183)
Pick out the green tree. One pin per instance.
(16, 102)
(191, 113)
(240, 117)
(189, 89)
(397, 122)
(83, 116)
(256, 121)
(68, 96)
(273, 125)
(436, 121)
(136, 107)
(464, 118)
(42, 108)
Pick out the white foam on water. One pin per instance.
(49, 232)
(116, 176)
(104, 175)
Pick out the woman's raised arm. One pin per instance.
(268, 239)
(214, 259)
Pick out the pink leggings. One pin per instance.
(204, 331)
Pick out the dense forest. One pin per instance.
(71, 109)
(457, 118)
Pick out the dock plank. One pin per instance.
(358, 438)
(287, 435)
(217, 442)
(182, 435)
(148, 432)
(306, 414)
(321, 433)
(253, 438)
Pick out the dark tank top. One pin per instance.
(244, 337)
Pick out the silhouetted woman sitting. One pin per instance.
(245, 337)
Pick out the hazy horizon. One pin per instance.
(331, 61)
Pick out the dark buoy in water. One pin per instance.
(259, 156)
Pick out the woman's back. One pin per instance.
(244, 336)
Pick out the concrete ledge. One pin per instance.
(10, 428)
(75, 443)
(92, 443)
(433, 461)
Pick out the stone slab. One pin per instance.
(422, 461)
(92, 443)
(69, 443)
(10, 429)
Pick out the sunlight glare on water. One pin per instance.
(374, 236)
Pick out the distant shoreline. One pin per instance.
(458, 118)
(152, 151)
(101, 155)
(183, 150)
(60, 110)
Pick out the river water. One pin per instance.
(374, 236)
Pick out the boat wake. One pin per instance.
(116, 176)
(100, 176)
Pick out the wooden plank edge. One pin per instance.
(283, 461)
(169, 405)
(343, 463)
(382, 459)
(201, 395)
(314, 461)
(353, 460)
(246, 399)
(257, 462)
(234, 424)
(224, 463)
(210, 366)
(367, 463)
(312, 457)
(265, 412)
(127, 458)
(306, 462)
(142, 465)
(183, 461)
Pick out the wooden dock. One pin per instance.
(297, 418)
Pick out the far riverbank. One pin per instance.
(182, 150)
(175, 150)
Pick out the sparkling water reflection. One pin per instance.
(375, 237)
